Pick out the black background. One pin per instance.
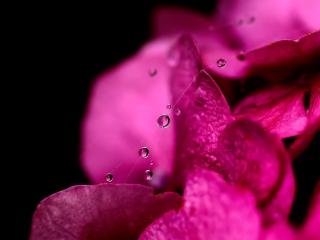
(57, 52)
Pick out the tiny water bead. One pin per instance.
(109, 178)
(153, 72)
(169, 106)
(241, 56)
(151, 163)
(148, 174)
(221, 62)
(163, 121)
(177, 111)
(144, 152)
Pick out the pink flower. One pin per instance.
(235, 89)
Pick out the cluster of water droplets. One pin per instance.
(163, 121)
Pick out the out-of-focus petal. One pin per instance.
(279, 231)
(279, 109)
(122, 117)
(100, 212)
(308, 12)
(262, 22)
(213, 209)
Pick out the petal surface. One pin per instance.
(213, 209)
(102, 211)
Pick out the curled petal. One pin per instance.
(279, 109)
(212, 209)
(99, 212)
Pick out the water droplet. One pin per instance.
(148, 175)
(173, 57)
(251, 20)
(163, 121)
(241, 56)
(177, 111)
(153, 72)
(144, 152)
(151, 163)
(109, 177)
(221, 63)
(169, 106)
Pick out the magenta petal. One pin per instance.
(213, 209)
(250, 156)
(99, 212)
(122, 117)
(311, 230)
(279, 110)
(204, 111)
(279, 231)
(280, 60)
(272, 21)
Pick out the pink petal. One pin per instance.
(210, 37)
(248, 155)
(311, 230)
(204, 110)
(279, 207)
(273, 21)
(279, 110)
(279, 231)
(99, 212)
(308, 11)
(122, 117)
(282, 60)
(212, 209)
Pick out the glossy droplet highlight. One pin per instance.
(177, 111)
(221, 63)
(148, 175)
(163, 121)
(144, 152)
(151, 163)
(109, 178)
(169, 106)
(153, 72)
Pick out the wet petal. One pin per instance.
(204, 112)
(121, 118)
(279, 110)
(212, 209)
(273, 21)
(100, 212)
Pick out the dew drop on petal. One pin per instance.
(251, 20)
(169, 106)
(153, 72)
(177, 111)
(221, 62)
(163, 121)
(148, 175)
(241, 56)
(240, 22)
(144, 152)
(109, 178)
(151, 163)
